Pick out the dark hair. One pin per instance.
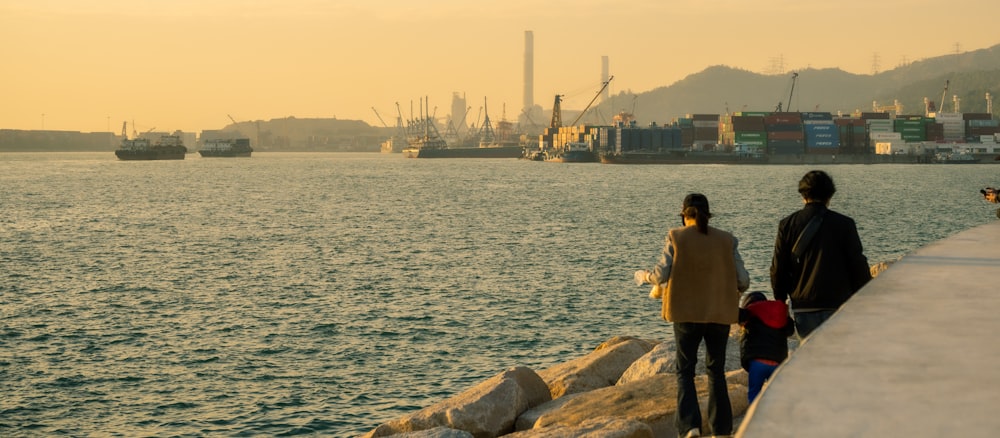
(752, 297)
(696, 207)
(817, 186)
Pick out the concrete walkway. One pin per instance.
(916, 353)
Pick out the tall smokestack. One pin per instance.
(529, 70)
(604, 77)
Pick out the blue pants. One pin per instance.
(688, 336)
(759, 373)
(806, 322)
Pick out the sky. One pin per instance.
(193, 65)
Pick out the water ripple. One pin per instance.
(322, 294)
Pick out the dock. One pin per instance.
(915, 353)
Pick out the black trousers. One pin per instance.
(688, 336)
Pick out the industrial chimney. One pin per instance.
(529, 70)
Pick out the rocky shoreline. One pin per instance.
(624, 388)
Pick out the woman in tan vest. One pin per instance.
(702, 277)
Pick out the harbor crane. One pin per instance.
(256, 124)
(379, 117)
(605, 85)
(944, 93)
(778, 109)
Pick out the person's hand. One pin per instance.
(640, 277)
(990, 194)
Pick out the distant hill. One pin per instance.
(720, 88)
(308, 134)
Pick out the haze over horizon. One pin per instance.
(189, 65)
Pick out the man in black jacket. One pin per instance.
(832, 266)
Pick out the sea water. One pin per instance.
(324, 294)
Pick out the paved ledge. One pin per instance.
(916, 353)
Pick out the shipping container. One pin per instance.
(947, 116)
(783, 118)
(753, 113)
(982, 123)
(785, 135)
(977, 116)
(783, 128)
(745, 136)
(704, 117)
(706, 134)
(748, 123)
(785, 147)
(816, 116)
(875, 116)
(824, 136)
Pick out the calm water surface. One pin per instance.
(324, 294)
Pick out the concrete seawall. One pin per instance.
(916, 353)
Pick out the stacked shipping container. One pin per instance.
(821, 134)
(782, 133)
(785, 134)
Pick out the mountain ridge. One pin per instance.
(719, 89)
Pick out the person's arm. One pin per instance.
(789, 328)
(661, 272)
(860, 273)
(742, 276)
(782, 282)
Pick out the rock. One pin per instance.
(487, 410)
(601, 368)
(437, 432)
(651, 401)
(661, 359)
(594, 428)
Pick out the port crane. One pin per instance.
(778, 109)
(556, 122)
(379, 117)
(944, 93)
(256, 124)
(603, 86)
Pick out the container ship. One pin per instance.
(168, 147)
(234, 147)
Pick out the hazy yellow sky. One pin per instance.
(190, 64)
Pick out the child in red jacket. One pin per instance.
(764, 330)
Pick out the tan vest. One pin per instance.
(702, 284)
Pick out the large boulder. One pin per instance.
(601, 368)
(662, 360)
(603, 427)
(651, 401)
(437, 432)
(488, 409)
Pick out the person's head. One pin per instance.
(752, 297)
(695, 207)
(817, 186)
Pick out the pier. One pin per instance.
(914, 353)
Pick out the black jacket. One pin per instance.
(766, 327)
(833, 268)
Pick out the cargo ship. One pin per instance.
(427, 143)
(168, 147)
(573, 152)
(233, 147)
